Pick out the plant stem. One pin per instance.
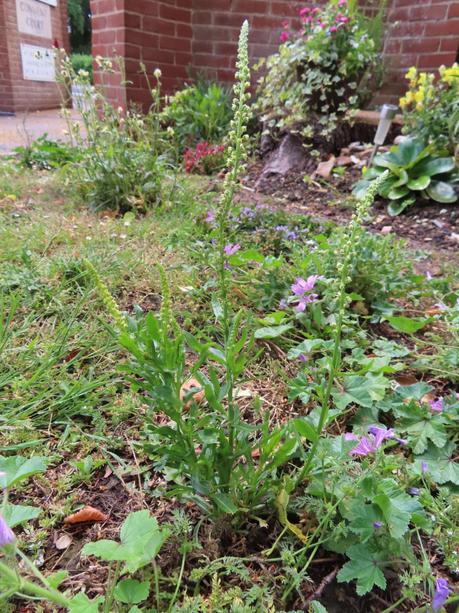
(179, 582)
(32, 588)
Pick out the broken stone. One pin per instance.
(454, 237)
(324, 169)
(343, 160)
(290, 154)
(386, 229)
(438, 223)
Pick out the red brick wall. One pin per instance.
(422, 33)
(17, 94)
(202, 35)
(6, 90)
(155, 32)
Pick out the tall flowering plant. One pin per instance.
(323, 69)
(430, 106)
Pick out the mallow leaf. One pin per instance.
(141, 539)
(363, 566)
(131, 591)
(17, 469)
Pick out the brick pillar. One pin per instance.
(48, 26)
(155, 32)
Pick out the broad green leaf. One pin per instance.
(441, 467)
(407, 325)
(272, 331)
(363, 566)
(361, 517)
(141, 539)
(17, 469)
(396, 207)
(443, 192)
(435, 166)
(360, 188)
(419, 183)
(15, 514)
(104, 549)
(398, 192)
(131, 591)
(316, 607)
(301, 426)
(308, 346)
(420, 426)
(363, 391)
(55, 579)
(397, 511)
(81, 604)
(225, 503)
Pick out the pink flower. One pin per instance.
(315, 11)
(305, 11)
(437, 405)
(304, 301)
(333, 29)
(302, 286)
(369, 444)
(342, 3)
(284, 37)
(231, 249)
(285, 24)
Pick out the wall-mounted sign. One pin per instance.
(38, 63)
(34, 18)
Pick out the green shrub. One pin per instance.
(82, 61)
(200, 112)
(321, 72)
(431, 107)
(124, 157)
(414, 172)
(46, 154)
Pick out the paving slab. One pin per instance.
(23, 128)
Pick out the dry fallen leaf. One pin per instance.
(324, 169)
(198, 396)
(85, 514)
(64, 541)
(405, 379)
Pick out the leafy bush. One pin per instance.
(46, 154)
(431, 107)
(204, 159)
(200, 112)
(124, 155)
(321, 71)
(414, 171)
(82, 61)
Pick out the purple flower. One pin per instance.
(414, 491)
(428, 276)
(441, 594)
(301, 286)
(291, 236)
(437, 405)
(441, 306)
(381, 434)
(302, 357)
(6, 534)
(247, 212)
(281, 228)
(377, 525)
(231, 249)
(305, 300)
(283, 303)
(424, 467)
(210, 217)
(369, 444)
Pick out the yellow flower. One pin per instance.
(451, 75)
(409, 97)
(422, 78)
(419, 95)
(411, 74)
(419, 106)
(403, 102)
